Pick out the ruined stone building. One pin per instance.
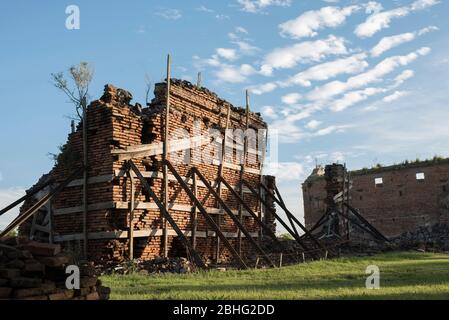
(394, 199)
(119, 131)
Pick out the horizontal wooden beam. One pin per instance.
(155, 149)
(92, 180)
(140, 234)
(158, 175)
(120, 205)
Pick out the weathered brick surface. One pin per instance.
(114, 124)
(402, 203)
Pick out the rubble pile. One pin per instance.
(36, 271)
(157, 265)
(431, 238)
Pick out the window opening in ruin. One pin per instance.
(378, 181)
(400, 193)
(444, 188)
(420, 176)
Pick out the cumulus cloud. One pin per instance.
(263, 88)
(387, 43)
(304, 52)
(328, 70)
(395, 96)
(291, 98)
(308, 23)
(234, 74)
(254, 6)
(381, 20)
(354, 97)
(229, 54)
(313, 124)
(268, 111)
(286, 171)
(403, 76)
(375, 74)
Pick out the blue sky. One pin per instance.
(361, 82)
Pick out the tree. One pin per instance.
(81, 76)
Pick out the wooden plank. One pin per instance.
(78, 209)
(157, 148)
(92, 180)
(159, 175)
(140, 234)
(140, 205)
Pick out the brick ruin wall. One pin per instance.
(113, 125)
(402, 203)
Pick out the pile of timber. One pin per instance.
(155, 266)
(37, 271)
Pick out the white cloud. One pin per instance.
(170, 14)
(229, 54)
(291, 98)
(354, 97)
(246, 48)
(387, 43)
(308, 23)
(257, 5)
(395, 96)
(268, 111)
(234, 74)
(304, 52)
(263, 88)
(286, 171)
(381, 20)
(7, 196)
(332, 129)
(403, 76)
(328, 70)
(313, 124)
(376, 74)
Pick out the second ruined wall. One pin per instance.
(401, 203)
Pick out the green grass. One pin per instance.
(404, 275)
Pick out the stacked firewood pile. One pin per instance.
(37, 271)
(158, 265)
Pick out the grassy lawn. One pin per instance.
(405, 275)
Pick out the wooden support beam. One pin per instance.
(290, 219)
(27, 196)
(140, 234)
(207, 217)
(220, 175)
(263, 226)
(194, 213)
(198, 261)
(273, 212)
(237, 220)
(307, 233)
(131, 218)
(165, 156)
(28, 213)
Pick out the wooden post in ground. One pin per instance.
(195, 212)
(220, 174)
(131, 218)
(165, 157)
(85, 177)
(242, 172)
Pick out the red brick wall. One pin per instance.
(402, 203)
(114, 124)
